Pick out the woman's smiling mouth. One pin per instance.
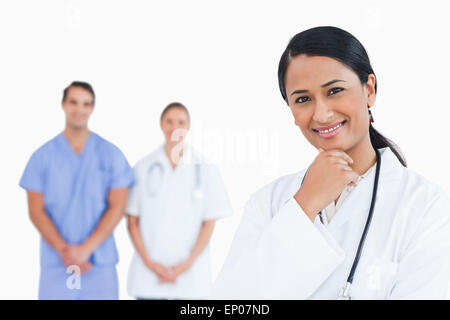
(330, 131)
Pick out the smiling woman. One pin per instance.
(385, 231)
(324, 53)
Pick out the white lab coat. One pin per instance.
(279, 253)
(170, 218)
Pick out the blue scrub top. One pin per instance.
(75, 189)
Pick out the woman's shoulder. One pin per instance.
(423, 192)
(413, 195)
(398, 180)
(408, 181)
(150, 158)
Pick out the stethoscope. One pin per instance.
(345, 291)
(152, 187)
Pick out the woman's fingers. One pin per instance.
(339, 154)
(353, 177)
(345, 167)
(339, 161)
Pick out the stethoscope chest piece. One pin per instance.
(345, 293)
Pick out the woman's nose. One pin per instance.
(322, 113)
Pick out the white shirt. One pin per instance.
(279, 253)
(171, 208)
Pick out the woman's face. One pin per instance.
(175, 125)
(328, 101)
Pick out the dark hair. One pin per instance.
(80, 84)
(175, 105)
(340, 45)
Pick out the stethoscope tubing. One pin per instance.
(369, 218)
(346, 289)
(161, 169)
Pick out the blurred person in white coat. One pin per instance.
(357, 223)
(171, 211)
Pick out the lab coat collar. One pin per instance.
(391, 169)
(188, 156)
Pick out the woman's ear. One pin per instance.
(370, 90)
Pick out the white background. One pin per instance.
(220, 59)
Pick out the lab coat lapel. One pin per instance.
(187, 158)
(356, 203)
(163, 158)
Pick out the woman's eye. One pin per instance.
(302, 99)
(334, 91)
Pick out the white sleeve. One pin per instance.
(132, 207)
(424, 269)
(217, 202)
(286, 258)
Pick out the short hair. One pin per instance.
(175, 105)
(79, 84)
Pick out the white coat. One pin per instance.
(170, 218)
(279, 253)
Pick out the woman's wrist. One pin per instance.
(189, 261)
(150, 264)
(306, 203)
